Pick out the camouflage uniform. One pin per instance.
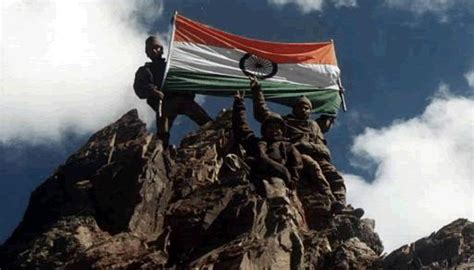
(309, 140)
(150, 77)
(272, 158)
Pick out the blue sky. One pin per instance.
(405, 145)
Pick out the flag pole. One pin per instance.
(341, 92)
(170, 46)
(339, 83)
(168, 59)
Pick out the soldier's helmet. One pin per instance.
(303, 100)
(152, 40)
(273, 118)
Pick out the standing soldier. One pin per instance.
(148, 81)
(308, 138)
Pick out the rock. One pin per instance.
(122, 202)
(354, 254)
(345, 227)
(115, 183)
(451, 247)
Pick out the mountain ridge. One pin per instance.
(123, 202)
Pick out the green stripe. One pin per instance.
(324, 100)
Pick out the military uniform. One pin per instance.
(275, 157)
(149, 78)
(308, 138)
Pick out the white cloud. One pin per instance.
(344, 3)
(470, 78)
(423, 6)
(424, 171)
(69, 65)
(307, 6)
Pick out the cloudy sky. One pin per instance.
(406, 144)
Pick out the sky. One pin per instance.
(405, 145)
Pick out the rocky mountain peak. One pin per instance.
(123, 202)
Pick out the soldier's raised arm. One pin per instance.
(260, 108)
(240, 126)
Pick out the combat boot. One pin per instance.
(337, 208)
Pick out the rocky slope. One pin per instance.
(452, 247)
(122, 202)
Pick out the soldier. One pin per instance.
(167, 105)
(308, 138)
(274, 155)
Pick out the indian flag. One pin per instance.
(209, 61)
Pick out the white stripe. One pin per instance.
(223, 61)
(197, 58)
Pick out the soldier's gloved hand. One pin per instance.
(254, 84)
(238, 96)
(157, 94)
